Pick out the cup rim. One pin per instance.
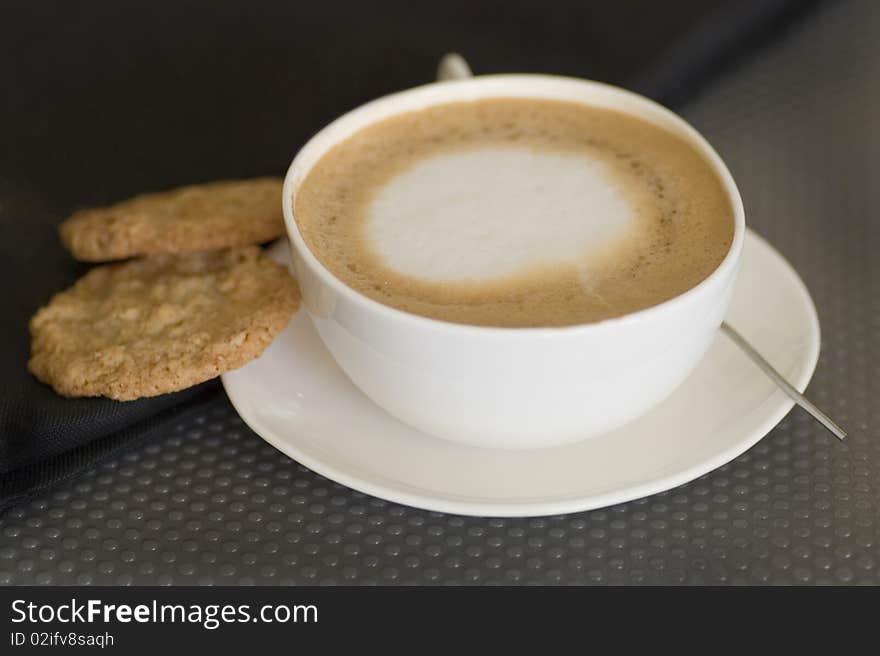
(728, 263)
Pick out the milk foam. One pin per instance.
(475, 212)
(487, 212)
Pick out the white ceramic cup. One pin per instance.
(511, 387)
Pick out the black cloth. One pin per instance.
(104, 100)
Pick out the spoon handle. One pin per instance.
(780, 381)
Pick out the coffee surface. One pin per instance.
(515, 212)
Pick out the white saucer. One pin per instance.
(298, 400)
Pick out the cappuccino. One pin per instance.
(515, 212)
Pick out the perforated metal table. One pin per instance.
(211, 503)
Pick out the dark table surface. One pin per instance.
(209, 502)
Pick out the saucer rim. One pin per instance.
(488, 507)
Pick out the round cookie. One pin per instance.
(160, 324)
(195, 218)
